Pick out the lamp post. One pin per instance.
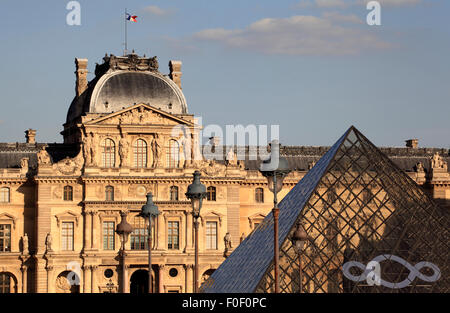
(148, 212)
(196, 192)
(275, 169)
(123, 229)
(298, 239)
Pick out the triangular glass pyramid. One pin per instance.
(357, 207)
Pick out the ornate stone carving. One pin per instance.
(132, 62)
(89, 150)
(57, 192)
(48, 243)
(25, 244)
(69, 166)
(156, 151)
(419, 167)
(232, 158)
(228, 243)
(123, 151)
(212, 168)
(437, 162)
(24, 163)
(43, 157)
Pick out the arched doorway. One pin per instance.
(139, 282)
(8, 283)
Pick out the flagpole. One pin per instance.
(126, 31)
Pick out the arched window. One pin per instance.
(109, 191)
(4, 194)
(174, 193)
(108, 153)
(140, 153)
(211, 193)
(68, 193)
(259, 195)
(172, 154)
(5, 283)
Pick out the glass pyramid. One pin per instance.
(370, 227)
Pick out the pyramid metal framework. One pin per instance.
(356, 206)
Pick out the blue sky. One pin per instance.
(314, 66)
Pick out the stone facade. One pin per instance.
(60, 203)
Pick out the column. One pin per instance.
(91, 237)
(87, 230)
(95, 230)
(189, 224)
(49, 277)
(94, 288)
(160, 278)
(24, 279)
(189, 277)
(127, 281)
(85, 269)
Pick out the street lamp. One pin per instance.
(123, 229)
(148, 212)
(196, 192)
(275, 169)
(298, 239)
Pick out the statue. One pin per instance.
(92, 150)
(24, 163)
(123, 151)
(156, 150)
(48, 243)
(311, 165)
(232, 158)
(89, 150)
(25, 244)
(227, 240)
(43, 156)
(437, 162)
(419, 167)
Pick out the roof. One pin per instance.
(124, 81)
(12, 153)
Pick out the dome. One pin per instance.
(116, 89)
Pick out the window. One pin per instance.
(172, 154)
(108, 235)
(5, 238)
(140, 153)
(4, 195)
(259, 195)
(108, 153)
(173, 235)
(174, 193)
(68, 193)
(109, 193)
(211, 235)
(67, 236)
(5, 283)
(139, 236)
(211, 193)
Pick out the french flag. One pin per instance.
(132, 18)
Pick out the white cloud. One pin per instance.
(155, 10)
(331, 3)
(393, 3)
(341, 18)
(297, 35)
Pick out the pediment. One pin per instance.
(140, 114)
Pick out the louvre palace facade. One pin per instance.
(60, 203)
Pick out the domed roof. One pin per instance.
(119, 87)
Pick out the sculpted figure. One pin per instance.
(232, 158)
(228, 243)
(123, 151)
(156, 150)
(43, 156)
(25, 244)
(24, 163)
(48, 242)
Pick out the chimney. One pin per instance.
(30, 135)
(412, 143)
(81, 73)
(175, 72)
